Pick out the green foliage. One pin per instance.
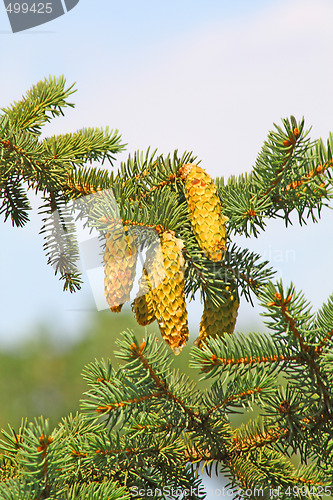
(291, 174)
(42, 102)
(145, 425)
(47, 166)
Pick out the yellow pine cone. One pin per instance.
(217, 322)
(120, 258)
(168, 295)
(208, 223)
(143, 306)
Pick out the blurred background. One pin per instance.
(204, 76)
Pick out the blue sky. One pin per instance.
(208, 76)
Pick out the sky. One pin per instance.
(209, 77)
(204, 76)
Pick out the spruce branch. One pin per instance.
(144, 424)
(60, 240)
(236, 354)
(138, 448)
(42, 102)
(268, 472)
(292, 319)
(15, 202)
(238, 393)
(291, 173)
(240, 266)
(49, 166)
(84, 145)
(148, 363)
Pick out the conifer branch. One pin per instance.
(233, 398)
(145, 425)
(60, 244)
(238, 352)
(290, 144)
(323, 342)
(134, 401)
(260, 440)
(300, 180)
(159, 383)
(308, 354)
(15, 203)
(42, 102)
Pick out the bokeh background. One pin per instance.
(204, 76)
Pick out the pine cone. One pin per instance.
(215, 322)
(143, 306)
(208, 223)
(120, 258)
(168, 295)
